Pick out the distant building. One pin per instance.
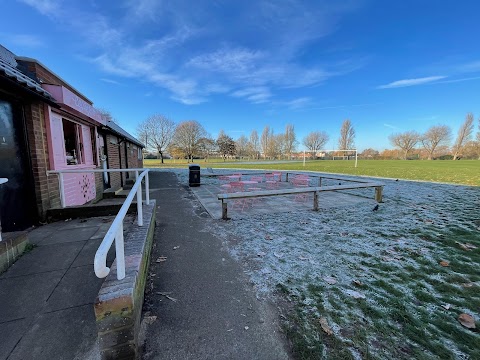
(46, 124)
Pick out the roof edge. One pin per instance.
(26, 58)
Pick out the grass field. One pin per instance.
(464, 172)
(352, 283)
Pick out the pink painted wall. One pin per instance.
(64, 96)
(79, 188)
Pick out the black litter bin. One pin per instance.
(194, 175)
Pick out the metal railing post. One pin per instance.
(147, 188)
(120, 253)
(139, 203)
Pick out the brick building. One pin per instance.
(46, 124)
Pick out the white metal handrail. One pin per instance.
(81, 171)
(115, 232)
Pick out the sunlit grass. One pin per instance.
(464, 172)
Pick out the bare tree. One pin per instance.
(254, 145)
(405, 141)
(290, 140)
(463, 136)
(157, 133)
(315, 140)
(265, 140)
(187, 136)
(276, 146)
(347, 136)
(107, 115)
(439, 135)
(242, 146)
(369, 153)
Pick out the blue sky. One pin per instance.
(388, 66)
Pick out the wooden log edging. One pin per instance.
(313, 189)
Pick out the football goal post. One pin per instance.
(332, 155)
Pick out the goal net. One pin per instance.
(350, 154)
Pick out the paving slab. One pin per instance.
(64, 335)
(78, 233)
(87, 254)
(79, 286)
(37, 234)
(24, 296)
(45, 258)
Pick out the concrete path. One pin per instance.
(212, 312)
(47, 296)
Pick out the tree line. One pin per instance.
(436, 142)
(188, 139)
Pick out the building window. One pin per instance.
(73, 143)
(140, 155)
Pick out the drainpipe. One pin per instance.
(103, 158)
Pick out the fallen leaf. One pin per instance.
(357, 283)
(246, 328)
(150, 319)
(330, 280)
(325, 326)
(167, 296)
(355, 294)
(176, 247)
(468, 285)
(467, 321)
(463, 246)
(444, 263)
(161, 259)
(277, 255)
(446, 306)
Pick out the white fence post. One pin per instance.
(139, 202)
(120, 253)
(147, 188)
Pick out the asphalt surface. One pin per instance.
(199, 303)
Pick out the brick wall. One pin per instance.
(118, 306)
(46, 188)
(113, 160)
(123, 161)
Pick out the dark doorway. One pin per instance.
(17, 200)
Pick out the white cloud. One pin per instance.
(298, 103)
(391, 126)
(256, 95)
(192, 54)
(470, 67)
(25, 40)
(459, 80)
(411, 82)
(110, 81)
(45, 7)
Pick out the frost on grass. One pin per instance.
(385, 283)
